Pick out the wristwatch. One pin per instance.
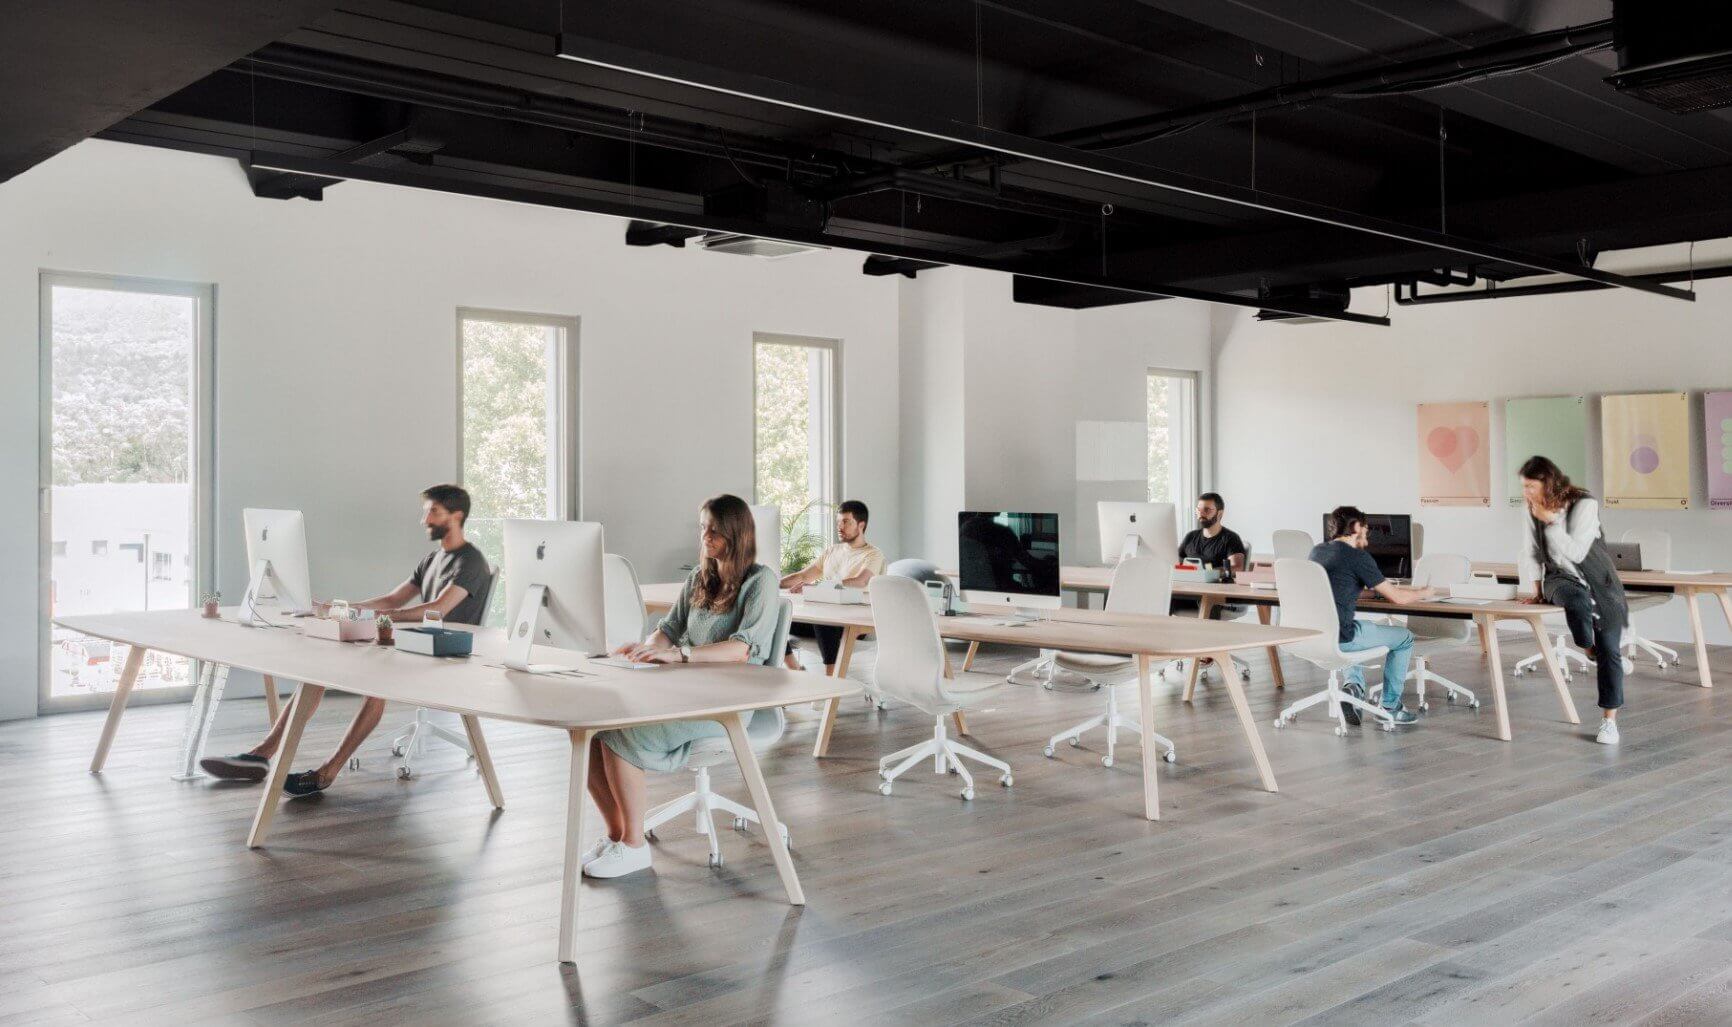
(685, 654)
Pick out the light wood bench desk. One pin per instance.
(476, 687)
(1146, 638)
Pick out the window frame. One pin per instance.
(1190, 476)
(568, 499)
(832, 397)
(202, 545)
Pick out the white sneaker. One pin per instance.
(1608, 732)
(595, 851)
(617, 860)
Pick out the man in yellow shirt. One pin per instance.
(850, 561)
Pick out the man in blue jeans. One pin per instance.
(1351, 572)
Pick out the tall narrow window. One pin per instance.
(1172, 405)
(127, 392)
(517, 421)
(797, 443)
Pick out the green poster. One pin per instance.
(1555, 427)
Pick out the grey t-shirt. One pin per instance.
(464, 567)
(1350, 571)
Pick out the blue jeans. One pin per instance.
(1400, 643)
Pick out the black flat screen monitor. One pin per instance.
(1389, 541)
(1008, 552)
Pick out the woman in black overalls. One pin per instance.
(1575, 571)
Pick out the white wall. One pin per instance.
(342, 314)
(1311, 416)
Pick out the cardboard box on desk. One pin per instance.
(430, 641)
(341, 630)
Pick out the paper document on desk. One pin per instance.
(1457, 601)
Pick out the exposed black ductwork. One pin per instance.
(648, 233)
(1410, 297)
(878, 266)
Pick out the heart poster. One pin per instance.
(1645, 443)
(1455, 454)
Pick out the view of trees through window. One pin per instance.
(511, 451)
(1171, 423)
(121, 374)
(795, 443)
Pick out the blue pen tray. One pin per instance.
(435, 641)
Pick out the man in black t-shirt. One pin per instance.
(1214, 544)
(452, 581)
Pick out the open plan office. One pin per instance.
(927, 512)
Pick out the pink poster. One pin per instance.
(1455, 454)
(1717, 410)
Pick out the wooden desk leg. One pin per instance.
(1151, 759)
(736, 726)
(974, 647)
(1539, 630)
(273, 706)
(117, 706)
(955, 717)
(1242, 707)
(1274, 651)
(300, 711)
(576, 791)
(1704, 676)
(483, 760)
(1494, 656)
(1195, 667)
(1484, 646)
(827, 724)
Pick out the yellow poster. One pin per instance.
(1645, 443)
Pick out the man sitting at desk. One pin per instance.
(451, 581)
(851, 561)
(1352, 572)
(1212, 544)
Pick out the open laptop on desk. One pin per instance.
(1626, 556)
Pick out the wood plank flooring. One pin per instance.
(1431, 876)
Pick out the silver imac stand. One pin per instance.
(262, 572)
(520, 643)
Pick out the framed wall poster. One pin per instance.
(1555, 427)
(1645, 447)
(1455, 454)
(1717, 420)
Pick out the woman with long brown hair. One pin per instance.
(1565, 558)
(726, 614)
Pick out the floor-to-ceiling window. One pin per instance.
(127, 411)
(797, 439)
(517, 421)
(1173, 426)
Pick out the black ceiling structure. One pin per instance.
(1273, 154)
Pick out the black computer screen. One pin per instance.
(1389, 540)
(1008, 551)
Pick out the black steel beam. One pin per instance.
(795, 97)
(437, 177)
(1494, 292)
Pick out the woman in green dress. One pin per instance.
(726, 614)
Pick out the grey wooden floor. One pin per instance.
(1435, 875)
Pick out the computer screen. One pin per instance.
(1389, 540)
(1007, 551)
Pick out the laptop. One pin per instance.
(1626, 556)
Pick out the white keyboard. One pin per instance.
(620, 662)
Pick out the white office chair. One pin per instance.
(621, 602)
(1307, 602)
(763, 730)
(1142, 584)
(1293, 544)
(1656, 546)
(411, 742)
(911, 666)
(1431, 634)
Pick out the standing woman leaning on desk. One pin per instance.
(725, 614)
(1565, 556)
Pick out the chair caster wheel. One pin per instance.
(1519, 671)
(1106, 761)
(650, 836)
(1074, 742)
(1244, 675)
(1171, 756)
(404, 773)
(787, 839)
(1387, 726)
(1007, 780)
(1424, 706)
(398, 750)
(739, 823)
(884, 789)
(1280, 722)
(1047, 686)
(1340, 732)
(354, 763)
(715, 862)
(1048, 752)
(967, 794)
(1473, 705)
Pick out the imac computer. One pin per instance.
(1138, 529)
(1008, 558)
(277, 554)
(767, 526)
(553, 590)
(1389, 541)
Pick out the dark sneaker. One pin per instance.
(1349, 711)
(245, 767)
(1401, 715)
(302, 783)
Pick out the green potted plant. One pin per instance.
(211, 601)
(800, 543)
(383, 623)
